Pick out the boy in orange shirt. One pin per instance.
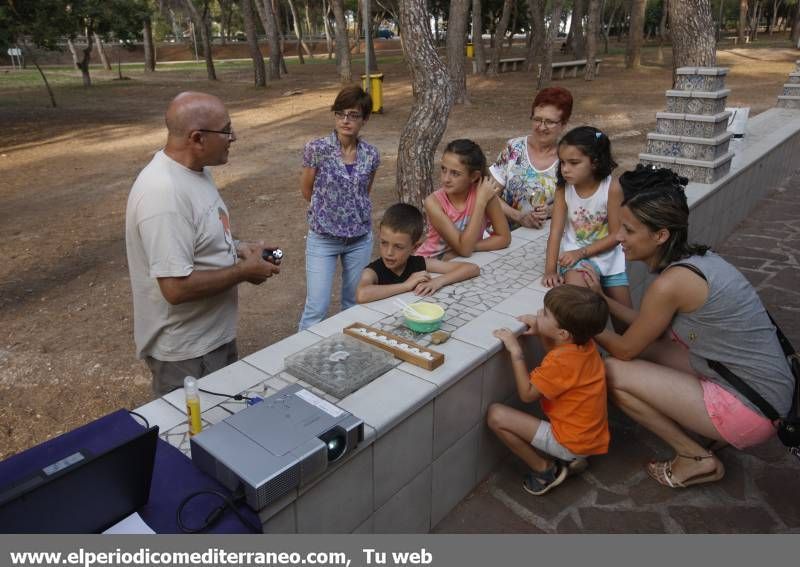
(571, 383)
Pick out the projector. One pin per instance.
(276, 445)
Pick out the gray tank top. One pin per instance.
(733, 328)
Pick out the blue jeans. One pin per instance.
(322, 252)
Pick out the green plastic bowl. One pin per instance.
(425, 325)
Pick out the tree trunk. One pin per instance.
(326, 22)
(692, 32)
(796, 26)
(248, 19)
(633, 54)
(456, 58)
(433, 98)
(538, 31)
(369, 40)
(176, 28)
(662, 29)
(309, 27)
(225, 13)
(298, 32)
(267, 17)
(513, 26)
(499, 35)
(479, 57)
(552, 30)
(742, 20)
(276, 7)
(757, 18)
(31, 54)
(607, 29)
(82, 61)
(102, 52)
(342, 46)
(591, 39)
(149, 46)
(578, 44)
(201, 21)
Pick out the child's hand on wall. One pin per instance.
(551, 279)
(427, 288)
(417, 278)
(509, 340)
(532, 322)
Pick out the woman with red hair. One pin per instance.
(527, 167)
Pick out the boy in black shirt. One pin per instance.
(397, 270)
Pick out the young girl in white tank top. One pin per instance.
(586, 216)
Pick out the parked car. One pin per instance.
(385, 33)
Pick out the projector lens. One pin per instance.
(335, 442)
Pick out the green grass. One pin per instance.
(67, 76)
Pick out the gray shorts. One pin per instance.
(168, 376)
(544, 440)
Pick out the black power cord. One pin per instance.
(216, 513)
(237, 397)
(140, 416)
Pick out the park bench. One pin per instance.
(560, 67)
(507, 64)
(735, 39)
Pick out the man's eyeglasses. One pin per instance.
(228, 133)
(352, 116)
(544, 122)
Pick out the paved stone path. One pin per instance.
(761, 489)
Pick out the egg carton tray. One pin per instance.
(339, 365)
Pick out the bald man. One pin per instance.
(184, 264)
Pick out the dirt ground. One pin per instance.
(66, 346)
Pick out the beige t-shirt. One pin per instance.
(175, 223)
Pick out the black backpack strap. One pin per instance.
(744, 389)
(794, 365)
(787, 347)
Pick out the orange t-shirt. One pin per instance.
(572, 381)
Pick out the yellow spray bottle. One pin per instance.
(192, 404)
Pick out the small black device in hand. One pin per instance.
(272, 255)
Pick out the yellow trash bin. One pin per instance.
(470, 50)
(376, 90)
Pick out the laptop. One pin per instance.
(83, 492)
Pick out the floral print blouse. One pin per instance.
(340, 204)
(521, 179)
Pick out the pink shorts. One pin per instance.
(739, 425)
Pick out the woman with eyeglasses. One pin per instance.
(528, 165)
(337, 176)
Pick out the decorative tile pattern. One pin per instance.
(788, 102)
(693, 105)
(703, 83)
(669, 126)
(690, 136)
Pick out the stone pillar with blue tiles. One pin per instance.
(791, 90)
(691, 137)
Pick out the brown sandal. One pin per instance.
(661, 472)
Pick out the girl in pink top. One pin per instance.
(459, 211)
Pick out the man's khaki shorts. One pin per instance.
(168, 376)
